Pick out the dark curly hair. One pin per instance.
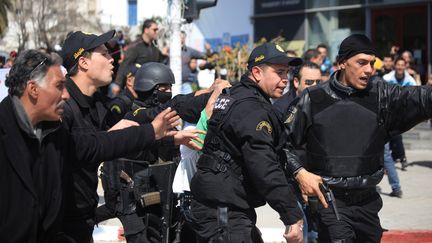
(30, 64)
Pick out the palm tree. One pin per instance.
(5, 6)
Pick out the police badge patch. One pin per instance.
(266, 125)
(135, 113)
(116, 109)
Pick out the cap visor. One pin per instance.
(102, 39)
(285, 60)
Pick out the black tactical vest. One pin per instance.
(220, 179)
(346, 137)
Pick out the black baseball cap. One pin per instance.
(132, 69)
(273, 54)
(78, 42)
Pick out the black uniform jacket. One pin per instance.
(83, 115)
(33, 172)
(395, 110)
(188, 107)
(121, 104)
(251, 133)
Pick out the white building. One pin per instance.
(226, 23)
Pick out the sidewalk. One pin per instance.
(408, 219)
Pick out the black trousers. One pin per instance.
(240, 227)
(359, 221)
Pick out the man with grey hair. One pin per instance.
(37, 152)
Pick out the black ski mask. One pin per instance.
(163, 97)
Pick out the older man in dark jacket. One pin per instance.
(37, 153)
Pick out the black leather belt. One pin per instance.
(354, 196)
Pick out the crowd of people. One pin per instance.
(310, 137)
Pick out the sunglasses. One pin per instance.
(39, 65)
(312, 81)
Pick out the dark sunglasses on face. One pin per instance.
(311, 81)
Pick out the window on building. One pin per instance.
(132, 12)
(331, 27)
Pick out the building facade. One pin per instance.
(307, 23)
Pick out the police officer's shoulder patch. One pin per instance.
(290, 114)
(135, 113)
(264, 124)
(116, 109)
(223, 103)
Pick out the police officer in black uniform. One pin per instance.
(123, 102)
(344, 124)
(240, 169)
(89, 67)
(151, 88)
(142, 100)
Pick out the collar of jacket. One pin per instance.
(76, 93)
(40, 131)
(249, 83)
(22, 118)
(145, 43)
(334, 82)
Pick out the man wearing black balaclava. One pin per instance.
(344, 124)
(149, 90)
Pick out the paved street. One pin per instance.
(412, 212)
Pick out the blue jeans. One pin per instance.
(389, 166)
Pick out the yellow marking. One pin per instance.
(137, 111)
(78, 53)
(259, 58)
(116, 109)
(264, 124)
(279, 48)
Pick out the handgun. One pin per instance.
(330, 199)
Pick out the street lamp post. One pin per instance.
(175, 7)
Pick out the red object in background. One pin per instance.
(407, 236)
(121, 235)
(13, 54)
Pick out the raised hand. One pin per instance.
(187, 137)
(164, 122)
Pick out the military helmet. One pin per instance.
(151, 74)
